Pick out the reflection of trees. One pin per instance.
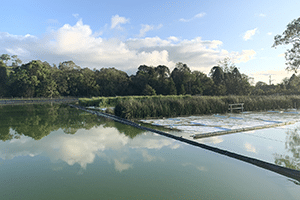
(37, 121)
(129, 131)
(292, 145)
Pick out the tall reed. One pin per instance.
(172, 105)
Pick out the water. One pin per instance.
(56, 152)
(279, 145)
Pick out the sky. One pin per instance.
(127, 34)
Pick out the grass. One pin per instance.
(131, 107)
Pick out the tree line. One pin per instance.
(40, 79)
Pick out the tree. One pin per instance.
(163, 71)
(291, 36)
(111, 82)
(149, 91)
(182, 77)
(217, 74)
(201, 84)
(33, 79)
(68, 65)
(146, 75)
(5, 58)
(229, 80)
(3, 79)
(162, 81)
(88, 84)
(16, 61)
(227, 65)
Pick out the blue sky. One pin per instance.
(126, 34)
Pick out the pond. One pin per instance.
(58, 152)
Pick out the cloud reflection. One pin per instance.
(214, 140)
(249, 147)
(82, 147)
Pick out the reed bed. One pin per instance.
(133, 107)
(104, 102)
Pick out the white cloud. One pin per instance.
(270, 33)
(249, 34)
(243, 56)
(173, 38)
(117, 20)
(145, 28)
(17, 51)
(87, 49)
(76, 15)
(199, 15)
(262, 15)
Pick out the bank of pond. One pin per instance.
(134, 107)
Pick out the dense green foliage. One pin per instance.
(195, 105)
(40, 79)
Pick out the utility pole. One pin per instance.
(270, 80)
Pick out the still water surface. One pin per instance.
(279, 145)
(57, 152)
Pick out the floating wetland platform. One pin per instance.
(205, 135)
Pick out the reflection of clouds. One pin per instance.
(249, 147)
(82, 147)
(147, 157)
(214, 140)
(152, 141)
(200, 168)
(121, 166)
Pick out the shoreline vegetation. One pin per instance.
(20, 101)
(140, 107)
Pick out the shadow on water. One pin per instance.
(37, 121)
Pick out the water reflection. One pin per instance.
(38, 121)
(292, 145)
(75, 137)
(250, 148)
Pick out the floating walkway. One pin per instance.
(291, 173)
